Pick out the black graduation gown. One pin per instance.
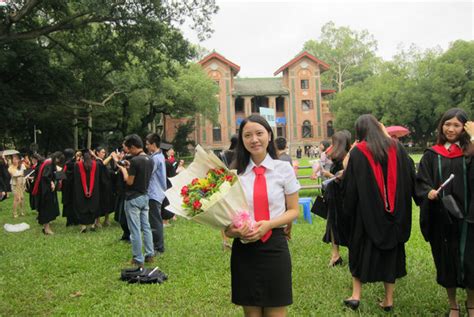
(106, 195)
(87, 208)
(441, 230)
(334, 199)
(46, 201)
(68, 195)
(376, 239)
(170, 172)
(5, 176)
(118, 187)
(31, 184)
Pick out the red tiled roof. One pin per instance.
(323, 65)
(327, 91)
(234, 67)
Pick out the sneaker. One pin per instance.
(149, 259)
(136, 263)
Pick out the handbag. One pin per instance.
(450, 204)
(320, 207)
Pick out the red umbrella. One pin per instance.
(397, 131)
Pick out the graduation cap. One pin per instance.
(165, 146)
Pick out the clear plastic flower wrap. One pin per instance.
(207, 192)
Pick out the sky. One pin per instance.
(260, 36)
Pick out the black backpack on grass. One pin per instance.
(143, 276)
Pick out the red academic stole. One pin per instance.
(378, 173)
(453, 152)
(38, 177)
(261, 208)
(82, 171)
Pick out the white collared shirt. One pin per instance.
(281, 180)
(448, 144)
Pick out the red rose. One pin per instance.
(195, 181)
(197, 204)
(186, 200)
(184, 190)
(229, 178)
(212, 185)
(218, 171)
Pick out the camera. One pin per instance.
(123, 163)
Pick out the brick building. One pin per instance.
(303, 116)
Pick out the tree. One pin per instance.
(181, 141)
(31, 19)
(350, 54)
(70, 57)
(413, 90)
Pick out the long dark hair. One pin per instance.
(87, 160)
(242, 156)
(459, 114)
(367, 128)
(57, 158)
(341, 144)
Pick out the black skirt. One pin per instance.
(261, 272)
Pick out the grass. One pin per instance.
(78, 274)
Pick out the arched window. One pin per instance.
(307, 129)
(216, 133)
(329, 129)
(239, 104)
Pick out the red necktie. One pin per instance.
(261, 209)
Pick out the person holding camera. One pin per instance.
(136, 174)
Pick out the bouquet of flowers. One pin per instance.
(202, 192)
(207, 192)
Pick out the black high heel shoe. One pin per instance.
(338, 262)
(386, 308)
(352, 303)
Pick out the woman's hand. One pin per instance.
(234, 232)
(287, 231)
(327, 174)
(469, 128)
(259, 230)
(433, 194)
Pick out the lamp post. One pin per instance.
(34, 133)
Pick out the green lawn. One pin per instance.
(78, 274)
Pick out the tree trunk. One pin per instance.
(89, 127)
(339, 77)
(125, 116)
(163, 124)
(75, 123)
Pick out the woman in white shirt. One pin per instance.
(17, 173)
(261, 267)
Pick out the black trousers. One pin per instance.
(156, 224)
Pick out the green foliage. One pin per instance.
(181, 140)
(414, 90)
(121, 57)
(350, 54)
